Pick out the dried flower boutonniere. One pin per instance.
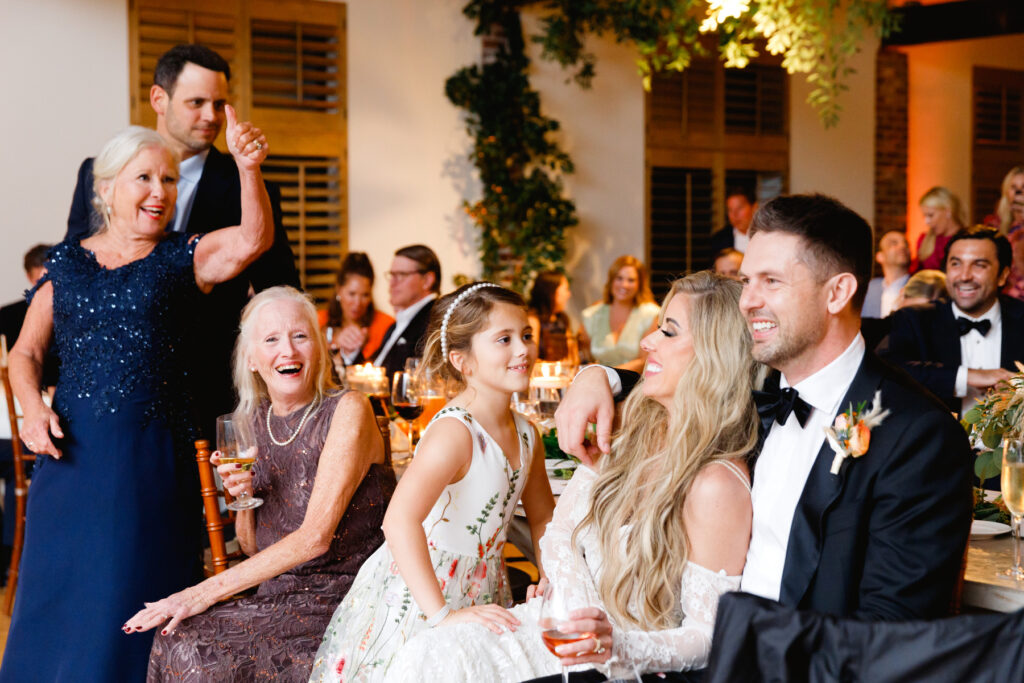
(850, 435)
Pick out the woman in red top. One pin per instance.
(943, 216)
(352, 317)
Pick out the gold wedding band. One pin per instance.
(259, 145)
(598, 647)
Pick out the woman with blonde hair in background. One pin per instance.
(1009, 220)
(616, 324)
(944, 217)
(643, 579)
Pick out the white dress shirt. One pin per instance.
(978, 353)
(402, 320)
(740, 240)
(785, 462)
(189, 173)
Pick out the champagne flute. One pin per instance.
(237, 445)
(1012, 485)
(554, 612)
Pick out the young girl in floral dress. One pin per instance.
(446, 524)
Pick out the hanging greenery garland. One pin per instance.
(816, 37)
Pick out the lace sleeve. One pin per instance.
(563, 566)
(688, 645)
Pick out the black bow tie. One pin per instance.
(965, 325)
(774, 405)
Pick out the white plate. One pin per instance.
(980, 530)
(552, 464)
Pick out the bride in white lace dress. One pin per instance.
(644, 546)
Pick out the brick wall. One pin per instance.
(890, 142)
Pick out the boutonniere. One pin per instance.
(850, 435)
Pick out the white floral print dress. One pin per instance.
(465, 535)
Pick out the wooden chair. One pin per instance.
(20, 457)
(220, 558)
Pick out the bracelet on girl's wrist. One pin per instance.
(439, 616)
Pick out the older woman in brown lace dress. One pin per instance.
(320, 471)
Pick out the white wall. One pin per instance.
(939, 104)
(408, 165)
(64, 81)
(603, 132)
(838, 161)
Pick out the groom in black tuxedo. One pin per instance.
(884, 536)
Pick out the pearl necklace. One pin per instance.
(298, 429)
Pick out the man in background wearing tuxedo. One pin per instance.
(190, 89)
(883, 537)
(959, 349)
(414, 283)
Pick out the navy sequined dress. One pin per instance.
(115, 521)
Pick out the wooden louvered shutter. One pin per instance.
(997, 142)
(707, 129)
(298, 92)
(680, 219)
(287, 62)
(755, 100)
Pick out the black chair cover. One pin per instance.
(756, 639)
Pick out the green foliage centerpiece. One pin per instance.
(997, 416)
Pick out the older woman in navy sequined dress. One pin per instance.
(320, 470)
(111, 517)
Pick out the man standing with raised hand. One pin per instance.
(879, 536)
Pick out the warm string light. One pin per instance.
(721, 10)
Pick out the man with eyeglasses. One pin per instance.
(414, 283)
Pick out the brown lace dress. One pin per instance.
(274, 634)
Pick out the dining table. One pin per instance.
(986, 585)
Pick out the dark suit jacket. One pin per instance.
(720, 239)
(409, 345)
(217, 204)
(884, 538)
(12, 317)
(924, 340)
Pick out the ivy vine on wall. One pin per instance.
(522, 214)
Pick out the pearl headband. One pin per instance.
(448, 314)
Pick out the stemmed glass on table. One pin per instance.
(1012, 485)
(237, 446)
(405, 402)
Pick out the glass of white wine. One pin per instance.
(237, 446)
(1012, 485)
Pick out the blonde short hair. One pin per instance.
(115, 155)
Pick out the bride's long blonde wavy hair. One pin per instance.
(657, 453)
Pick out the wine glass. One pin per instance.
(404, 401)
(237, 445)
(1012, 485)
(554, 612)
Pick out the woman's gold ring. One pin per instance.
(598, 647)
(259, 145)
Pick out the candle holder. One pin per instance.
(547, 387)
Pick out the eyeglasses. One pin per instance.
(402, 274)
